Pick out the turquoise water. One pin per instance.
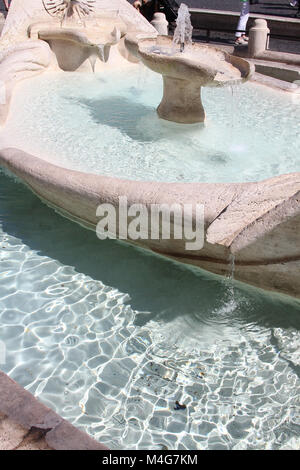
(108, 124)
(110, 337)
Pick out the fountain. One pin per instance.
(74, 24)
(138, 351)
(240, 218)
(187, 70)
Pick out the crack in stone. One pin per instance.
(33, 435)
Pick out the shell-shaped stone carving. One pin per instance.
(64, 9)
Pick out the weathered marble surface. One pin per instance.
(27, 424)
(20, 61)
(23, 13)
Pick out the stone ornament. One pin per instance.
(64, 9)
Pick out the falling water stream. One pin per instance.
(231, 265)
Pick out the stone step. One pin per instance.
(228, 20)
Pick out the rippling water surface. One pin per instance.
(107, 124)
(111, 337)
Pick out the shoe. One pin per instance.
(245, 38)
(240, 41)
(294, 3)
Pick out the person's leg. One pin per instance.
(244, 16)
(6, 4)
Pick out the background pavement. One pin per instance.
(267, 7)
(271, 7)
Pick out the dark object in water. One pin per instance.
(178, 406)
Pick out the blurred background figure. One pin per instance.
(240, 34)
(149, 7)
(6, 4)
(296, 4)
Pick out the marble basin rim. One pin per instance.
(258, 223)
(94, 38)
(100, 31)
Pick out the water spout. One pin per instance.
(93, 59)
(184, 29)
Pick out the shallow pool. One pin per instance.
(107, 124)
(111, 336)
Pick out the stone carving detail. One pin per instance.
(64, 9)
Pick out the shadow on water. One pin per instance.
(120, 113)
(160, 288)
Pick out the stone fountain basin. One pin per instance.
(258, 223)
(205, 65)
(72, 45)
(184, 73)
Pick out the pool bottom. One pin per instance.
(110, 337)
